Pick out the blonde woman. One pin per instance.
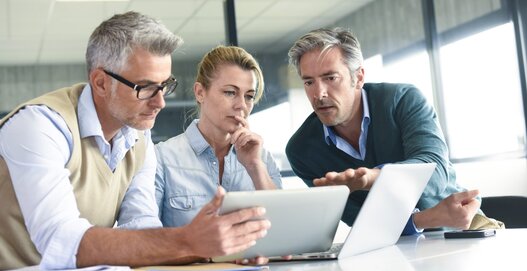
(218, 149)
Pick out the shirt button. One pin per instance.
(214, 163)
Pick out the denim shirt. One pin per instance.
(187, 175)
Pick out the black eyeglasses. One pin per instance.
(150, 90)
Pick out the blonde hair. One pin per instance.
(232, 55)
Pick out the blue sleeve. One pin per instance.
(272, 168)
(410, 228)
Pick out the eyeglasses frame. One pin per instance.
(138, 88)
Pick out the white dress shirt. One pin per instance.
(36, 144)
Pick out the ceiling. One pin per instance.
(36, 32)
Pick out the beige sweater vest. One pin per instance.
(99, 191)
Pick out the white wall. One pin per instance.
(494, 178)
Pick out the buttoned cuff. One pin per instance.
(410, 228)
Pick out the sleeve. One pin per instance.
(423, 141)
(160, 180)
(410, 228)
(36, 156)
(139, 208)
(272, 169)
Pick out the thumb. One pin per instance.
(469, 195)
(472, 193)
(214, 205)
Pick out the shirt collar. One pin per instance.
(196, 139)
(329, 133)
(89, 124)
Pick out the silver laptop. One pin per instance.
(302, 220)
(384, 213)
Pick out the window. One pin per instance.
(482, 94)
(411, 69)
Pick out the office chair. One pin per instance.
(511, 210)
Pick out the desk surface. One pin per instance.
(430, 251)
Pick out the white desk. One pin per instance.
(430, 251)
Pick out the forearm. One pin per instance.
(135, 248)
(260, 177)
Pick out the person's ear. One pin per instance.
(360, 77)
(100, 83)
(199, 92)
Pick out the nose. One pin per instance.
(158, 101)
(240, 103)
(320, 90)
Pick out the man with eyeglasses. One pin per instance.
(75, 161)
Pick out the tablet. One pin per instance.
(302, 220)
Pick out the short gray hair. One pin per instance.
(325, 39)
(113, 40)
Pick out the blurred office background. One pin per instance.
(467, 56)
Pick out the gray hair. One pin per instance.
(326, 39)
(113, 40)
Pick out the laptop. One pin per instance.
(384, 213)
(302, 220)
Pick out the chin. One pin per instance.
(331, 122)
(141, 126)
(232, 128)
(326, 121)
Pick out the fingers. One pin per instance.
(465, 197)
(334, 178)
(244, 236)
(332, 175)
(259, 260)
(244, 215)
(287, 258)
(463, 207)
(215, 204)
(361, 171)
(243, 136)
(254, 261)
(354, 179)
(324, 180)
(471, 194)
(319, 182)
(243, 121)
(247, 137)
(346, 176)
(258, 228)
(244, 126)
